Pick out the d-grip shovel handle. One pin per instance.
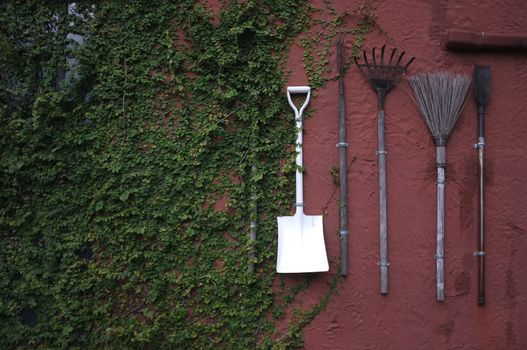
(298, 118)
(298, 90)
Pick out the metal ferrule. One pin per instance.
(441, 156)
(480, 144)
(440, 140)
(382, 97)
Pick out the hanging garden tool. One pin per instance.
(343, 164)
(253, 224)
(440, 98)
(482, 88)
(301, 246)
(382, 76)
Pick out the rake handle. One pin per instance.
(383, 224)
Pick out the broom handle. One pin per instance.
(383, 225)
(440, 251)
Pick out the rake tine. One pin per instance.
(409, 62)
(391, 56)
(359, 66)
(400, 58)
(373, 57)
(382, 55)
(365, 57)
(366, 63)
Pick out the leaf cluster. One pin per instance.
(132, 164)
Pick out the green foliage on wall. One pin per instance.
(127, 189)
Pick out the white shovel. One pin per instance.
(301, 245)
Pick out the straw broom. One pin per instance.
(440, 98)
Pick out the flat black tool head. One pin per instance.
(482, 84)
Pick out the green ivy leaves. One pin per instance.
(127, 192)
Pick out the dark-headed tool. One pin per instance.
(482, 88)
(383, 74)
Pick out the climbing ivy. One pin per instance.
(132, 162)
(325, 26)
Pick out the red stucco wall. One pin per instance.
(409, 317)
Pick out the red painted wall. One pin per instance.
(409, 317)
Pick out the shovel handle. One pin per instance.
(298, 118)
(298, 90)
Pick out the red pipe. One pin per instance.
(467, 40)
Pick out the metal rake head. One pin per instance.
(382, 75)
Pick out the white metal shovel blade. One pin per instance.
(301, 246)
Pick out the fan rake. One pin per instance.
(382, 74)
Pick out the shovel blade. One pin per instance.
(301, 246)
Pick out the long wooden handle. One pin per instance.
(383, 225)
(481, 236)
(343, 163)
(440, 250)
(343, 182)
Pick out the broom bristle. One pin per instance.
(440, 98)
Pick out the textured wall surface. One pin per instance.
(409, 317)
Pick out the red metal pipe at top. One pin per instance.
(467, 40)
